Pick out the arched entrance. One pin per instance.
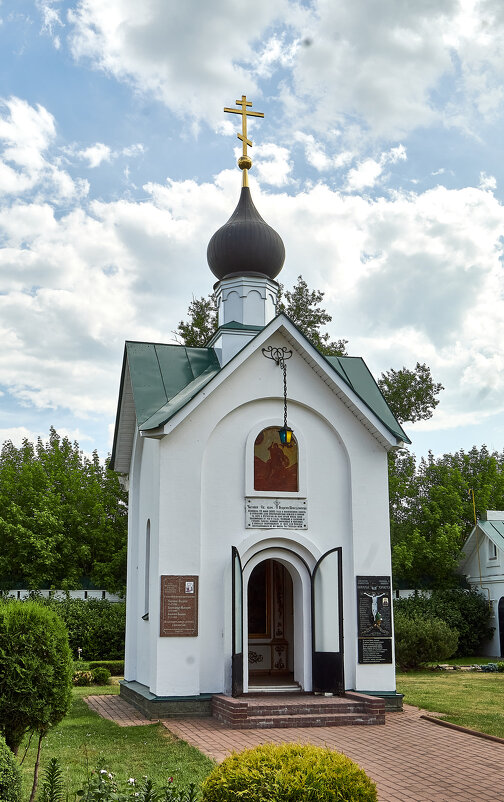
(279, 593)
(270, 618)
(501, 625)
(295, 620)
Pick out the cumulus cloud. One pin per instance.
(373, 69)
(178, 51)
(367, 172)
(26, 135)
(412, 276)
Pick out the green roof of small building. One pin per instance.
(164, 378)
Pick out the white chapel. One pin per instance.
(258, 547)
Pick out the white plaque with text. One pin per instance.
(276, 513)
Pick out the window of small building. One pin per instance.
(492, 550)
(275, 464)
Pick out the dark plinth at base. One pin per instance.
(393, 700)
(154, 707)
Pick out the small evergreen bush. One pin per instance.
(36, 675)
(288, 772)
(101, 675)
(10, 776)
(422, 640)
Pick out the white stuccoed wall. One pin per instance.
(204, 470)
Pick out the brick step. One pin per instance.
(309, 720)
(263, 712)
(312, 708)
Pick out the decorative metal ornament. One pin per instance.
(279, 356)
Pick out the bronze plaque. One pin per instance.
(179, 606)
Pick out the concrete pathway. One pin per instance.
(410, 759)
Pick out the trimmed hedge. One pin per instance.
(116, 667)
(97, 626)
(10, 776)
(288, 773)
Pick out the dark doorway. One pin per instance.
(270, 624)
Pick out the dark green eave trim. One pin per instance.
(233, 324)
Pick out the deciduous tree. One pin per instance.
(63, 517)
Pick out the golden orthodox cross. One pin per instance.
(244, 162)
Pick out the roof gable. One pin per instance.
(163, 379)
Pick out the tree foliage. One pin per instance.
(202, 323)
(302, 306)
(431, 510)
(63, 517)
(410, 394)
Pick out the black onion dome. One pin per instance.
(246, 245)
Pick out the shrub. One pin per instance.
(100, 675)
(467, 611)
(10, 776)
(97, 626)
(288, 772)
(422, 640)
(35, 681)
(116, 667)
(82, 678)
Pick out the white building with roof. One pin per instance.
(483, 565)
(253, 562)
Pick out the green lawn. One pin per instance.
(83, 738)
(474, 700)
(470, 661)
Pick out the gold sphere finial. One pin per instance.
(244, 162)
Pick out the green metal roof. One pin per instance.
(165, 377)
(495, 531)
(354, 371)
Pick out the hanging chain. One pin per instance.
(284, 368)
(279, 356)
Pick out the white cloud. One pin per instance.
(50, 20)
(272, 164)
(367, 172)
(26, 136)
(95, 154)
(178, 52)
(316, 155)
(487, 181)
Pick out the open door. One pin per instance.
(327, 624)
(237, 616)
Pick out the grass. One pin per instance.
(469, 699)
(470, 661)
(83, 738)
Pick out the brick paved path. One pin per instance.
(410, 759)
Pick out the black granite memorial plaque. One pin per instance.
(374, 607)
(375, 650)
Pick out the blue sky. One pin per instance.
(379, 162)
